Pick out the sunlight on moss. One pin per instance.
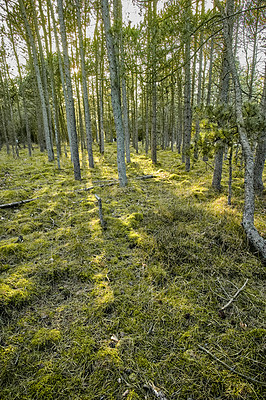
(45, 337)
(90, 313)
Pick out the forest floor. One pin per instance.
(132, 311)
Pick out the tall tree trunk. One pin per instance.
(187, 89)
(199, 92)
(208, 101)
(99, 60)
(219, 151)
(84, 89)
(51, 78)
(115, 94)
(50, 8)
(70, 99)
(3, 120)
(260, 155)
(254, 56)
(47, 136)
(255, 239)
(153, 84)
(28, 135)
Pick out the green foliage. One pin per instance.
(87, 313)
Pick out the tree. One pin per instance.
(70, 100)
(260, 155)
(255, 239)
(84, 88)
(187, 85)
(33, 49)
(115, 94)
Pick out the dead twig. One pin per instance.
(156, 391)
(112, 183)
(16, 203)
(232, 369)
(145, 177)
(234, 297)
(97, 186)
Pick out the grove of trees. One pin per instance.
(190, 76)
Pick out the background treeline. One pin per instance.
(190, 77)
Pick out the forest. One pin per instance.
(132, 199)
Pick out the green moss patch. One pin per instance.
(92, 313)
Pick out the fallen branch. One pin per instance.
(156, 391)
(97, 186)
(103, 223)
(145, 177)
(233, 298)
(232, 369)
(16, 203)
(208, 164)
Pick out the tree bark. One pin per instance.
(48, 141)
(187, 88)
(84, 88)
(115, 95)
(260, 155)
(70, 99)
(254, 238)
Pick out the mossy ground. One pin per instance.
(88, 313)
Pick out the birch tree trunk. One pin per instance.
(115, 94)
(153, 86)
(5, 130)
(29, 145)
(51, 77)
(260, 156)
(197, 133)
(48, 141)
(187, 89)
(84, 89)
(254, 238)
(70, 99)
(219, 153)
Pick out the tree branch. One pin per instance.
(16, 203)
(233, 298)
(232, 369)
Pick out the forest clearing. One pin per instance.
(132, 199)
(137, 309)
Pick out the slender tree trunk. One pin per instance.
(254, 56)
(210, 73)
(3, 120)
(51, 78)
(199, 93)
(99, 60)
(84, 89)
(115, 94)
(68, 117)
(255, 239)
(28, 135)
(187, 91)
(153, 85)
(260, 155)
(48, 141)
(70, 99)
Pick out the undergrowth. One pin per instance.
(92, 313)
